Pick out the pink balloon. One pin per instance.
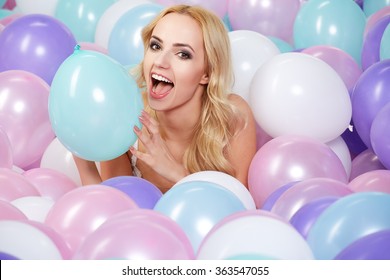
(10, 212)
(24, 115)
(49, 182)
(374, 18)
(6, 159)
(57, 239)
(138, 234)
(307, 191)
(81, 211)
(14, 185)
(270, 18)
(93, 47)
(9, 4)
(342, 62)
(364, 162)
(287, 159)
(371, 181)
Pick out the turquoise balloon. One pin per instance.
(125, 42)
(347, 220)
(197, 206)
(94, 104)
(372, 6)
(5, 13)
(338, 23)
(282, 45)
(384, 50)
(82, 16)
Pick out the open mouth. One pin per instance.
(161, 86)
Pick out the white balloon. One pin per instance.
(47, 7)
(26, 242)
(34, 207)
(225, 180)
(110, 17)
(341, 149)
(250, 50)
(298, 94)
(254, 234)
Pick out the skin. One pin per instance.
(178, 55)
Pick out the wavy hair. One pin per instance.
(219, 120)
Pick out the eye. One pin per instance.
(154, 45)
(184, 55)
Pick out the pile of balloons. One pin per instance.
(316, 74)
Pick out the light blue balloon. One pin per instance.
(338, 23)
(282, 45)
(82, 16)
(94, 104)
(384, 51)
(5, 13)
(125, 42)
(372, 6)
(346, 220)
(197, 206)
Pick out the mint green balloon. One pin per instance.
(372, 6)
(282, 45)
(94, 104)
(384, 50)
(338, 23)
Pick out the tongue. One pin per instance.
(162, 88)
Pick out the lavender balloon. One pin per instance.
(36, 43)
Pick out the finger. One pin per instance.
(150, 123)
(142, 136)
(141, 156)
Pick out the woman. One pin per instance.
(190, 122)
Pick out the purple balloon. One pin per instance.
(144, 193)
(306, 216)
(380, 135)
(271, 199)
(5, 256)
(36, 43)
(375, 246)
(369, 95)
(372, 43)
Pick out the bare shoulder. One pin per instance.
(240, 103)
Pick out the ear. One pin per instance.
(205, 79)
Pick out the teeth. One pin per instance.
(161, 78)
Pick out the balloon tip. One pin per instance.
(77, 47)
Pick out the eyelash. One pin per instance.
(184, 55)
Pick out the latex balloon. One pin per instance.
(307, 191)
(364, 162)
(372, 6)
(340, 148)
(197, 206)
(35, 43)
(288, 159)
(46, 7)
(50, 183)
(298, 94)
(110, 17)
(10, 212)
(371, 181)
(379, 133)
(26, 242)
(141, 191)
(101, 93)
(81, 211)
(34, 207)
(6, 159)
(224, 180)
(24, 115)
(82, 16)
(254, 232)
(244, 43)
(352, 217)
(14, 185)
(336, 23)
(138, 234)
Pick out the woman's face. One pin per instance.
(174, 63)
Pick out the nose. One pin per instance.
(162, 59)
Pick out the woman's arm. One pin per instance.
(243, 145)
(89, 174)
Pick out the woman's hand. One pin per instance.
(157, 154)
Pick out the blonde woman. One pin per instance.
(190, 123)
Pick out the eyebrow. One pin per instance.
(175, 45)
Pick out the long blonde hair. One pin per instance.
(219, 120)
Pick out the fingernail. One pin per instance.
(136, 128)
